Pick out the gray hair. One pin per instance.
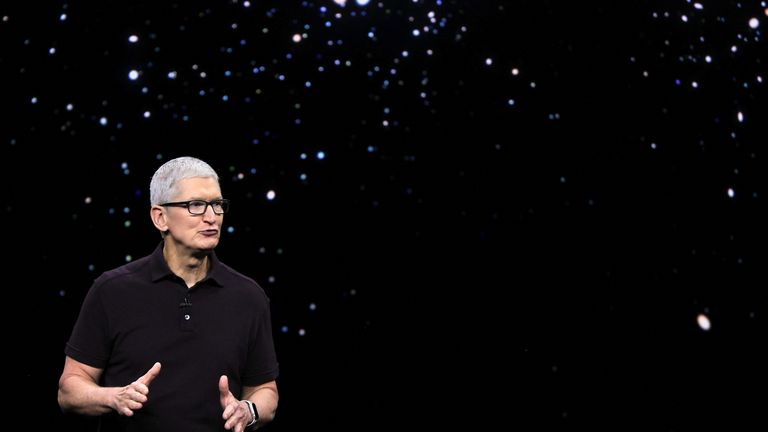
(163, 187)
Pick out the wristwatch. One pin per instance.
(254, 413)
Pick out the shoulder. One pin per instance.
(124, 273)
(232, 277)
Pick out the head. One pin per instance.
(163, 187)
(177, 182)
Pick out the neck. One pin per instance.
(188, 265)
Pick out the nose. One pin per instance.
(209, 215)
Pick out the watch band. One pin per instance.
(254, 413)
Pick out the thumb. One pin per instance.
(224, 393)
(151, 374)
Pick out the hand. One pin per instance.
(132, 397)
(236, 413)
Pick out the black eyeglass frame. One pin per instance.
(223, 203)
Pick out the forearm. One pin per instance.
(82, 396)
(265, 399)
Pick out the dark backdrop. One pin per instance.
(486, 213)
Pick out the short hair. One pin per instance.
(163, 187)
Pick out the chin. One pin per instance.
(208, 245)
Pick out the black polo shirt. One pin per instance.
(141, 313)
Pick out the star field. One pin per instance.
(545, 213)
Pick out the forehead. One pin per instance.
(197, 187)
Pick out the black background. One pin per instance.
(473, 263)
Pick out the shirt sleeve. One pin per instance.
(261, 366)
(89, 341)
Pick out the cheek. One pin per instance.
(185, 223)
(191, 223)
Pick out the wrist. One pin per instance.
(254, 413)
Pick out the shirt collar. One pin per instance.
(159, 268)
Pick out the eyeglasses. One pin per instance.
(198, 207)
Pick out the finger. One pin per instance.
(224, 393)
(233, 420)
(139, 388)
(126, 409)
(139, 394)
(151, 374)
(239, 426)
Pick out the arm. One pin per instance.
(265, 397)
(236, 413)
(79, 390)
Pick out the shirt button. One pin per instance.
(186, 317)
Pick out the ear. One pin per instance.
(159, 218)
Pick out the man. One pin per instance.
(175, 341)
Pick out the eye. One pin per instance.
(197, 205)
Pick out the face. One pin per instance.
(196, 232)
